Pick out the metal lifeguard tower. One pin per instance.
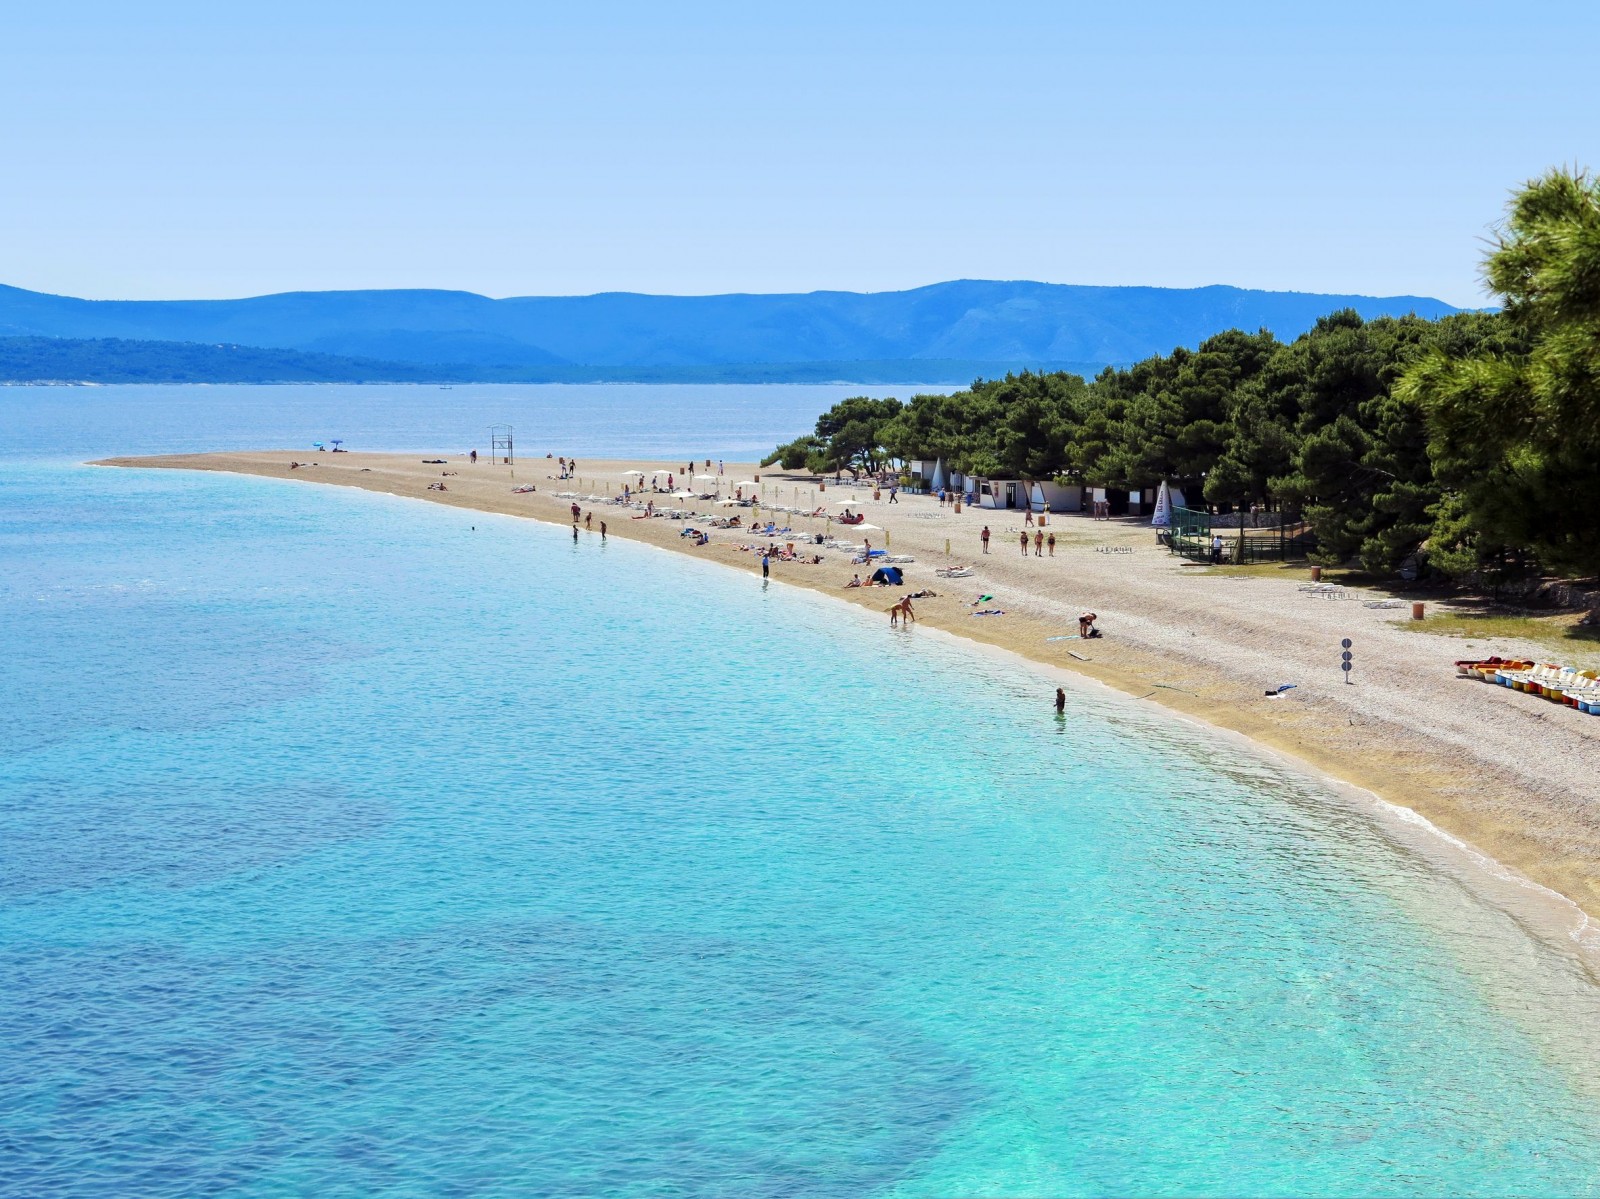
(501, 445)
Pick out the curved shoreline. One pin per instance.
(1453, 780)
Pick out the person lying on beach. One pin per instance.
(989, 612)
(925, 593)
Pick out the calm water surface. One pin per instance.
(646, 420)
(354, 846)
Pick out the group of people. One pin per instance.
(1039, 540)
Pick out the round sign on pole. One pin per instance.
(1344, 666)
(1345, 656)
(1345, 643)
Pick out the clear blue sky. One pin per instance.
(186, 150)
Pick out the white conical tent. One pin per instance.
(1163, 517)
(938, 475)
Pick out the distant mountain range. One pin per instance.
(945, 333)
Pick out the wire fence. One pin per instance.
(1194, 535)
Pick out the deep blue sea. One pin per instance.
(356, 846)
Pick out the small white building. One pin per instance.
(1060, 497)
(999, 493)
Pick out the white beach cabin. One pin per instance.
(1060, 497)
(1000, 493)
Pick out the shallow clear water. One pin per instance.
(350, 845)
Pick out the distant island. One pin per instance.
(947, 333)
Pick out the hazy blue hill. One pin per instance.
(1015, 324)
(118, 360)
(125, 360)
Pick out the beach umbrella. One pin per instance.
(639, 473)
(867, 528)
(747, 483)
(705, 478)
(683, 494)
(728, 503)
(850, 503)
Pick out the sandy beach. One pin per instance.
(1505, 772)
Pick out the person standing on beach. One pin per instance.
(1038, 543)
(602, 530)
(574, 532)
(766, 565)
(588, 521)
(1024, 537)
(1027, 517)
(984, 537)
(1051, 542)
(894, 493)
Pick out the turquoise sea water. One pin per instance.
(354, 846)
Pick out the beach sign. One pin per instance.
(1163, 514)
